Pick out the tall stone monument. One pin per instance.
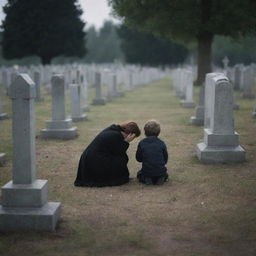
(221, 142)
(76, 110)
(188, 80)
(37, 80)
(99, 99)
(59, 127)
(25, 204)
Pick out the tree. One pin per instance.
(103, 46)
(46, 28)
(188, 20)
(239, 51)
(147, 49)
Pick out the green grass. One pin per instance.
(206, 210)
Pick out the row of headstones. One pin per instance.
(25, 203)
(221, 142)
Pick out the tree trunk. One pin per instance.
(204, 56)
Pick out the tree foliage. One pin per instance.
(103, 46)
(147, 49)
(46, 28)
(188, 20)
(237, 51)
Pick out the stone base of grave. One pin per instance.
(80, 118)
(30, 219)
(59, 129)
(2, 159)
(187, 104)
(86, 108)
(3, 116)
(215, 155)
(39, 99)
(236, 107)
(25, 195)
(248, 96)
(180, 95)
(120, 94)
(198, 119)
(99, 101)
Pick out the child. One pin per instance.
(152, 152)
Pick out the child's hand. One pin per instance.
(130, 137)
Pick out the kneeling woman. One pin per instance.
(104, 161)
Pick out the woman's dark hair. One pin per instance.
(152, 128)
(130, 127)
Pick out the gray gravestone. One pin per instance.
(248, 83)
(221, 142)
(99, 100)
(76, 110)
(37, 80)
(188, 79)
(59, 127)
(198, 119)
(2, 159)
(25, 203)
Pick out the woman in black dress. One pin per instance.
(104, 161)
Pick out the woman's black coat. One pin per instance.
(104, 161)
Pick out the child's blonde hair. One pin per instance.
(152, 128)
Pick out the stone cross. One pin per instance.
(221, 142)
(24, 198)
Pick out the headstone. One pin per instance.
(25, 204)
(225, 64)
(237, 77)
(198, 119)
(84, 94)
(3, 115)
(221, 142)
(248, 83)
(2, 159)
(115, 87)
(59, 127)
(37, 80)
(188, 79)
(98, 100)
(76, 111)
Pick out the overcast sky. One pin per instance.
(95, 12)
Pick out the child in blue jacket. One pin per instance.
(153, 155)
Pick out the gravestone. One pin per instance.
(37, 80)
(25, 203)
(76, 110)
(188, 80)
(237, 76)
(2, 114)
(248, 83)
(98, 100)
(84, 94)
(115, 86)
(59, 127)
(221, 142)
(2, 159)
(198, 119)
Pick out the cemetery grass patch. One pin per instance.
(203, 210)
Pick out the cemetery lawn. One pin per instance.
(205, 210)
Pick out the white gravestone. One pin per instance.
(37, 80)
(76, 110)
(98, 100)
(221, 142)
(59, 127)
(25, 203)
(188, 79)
